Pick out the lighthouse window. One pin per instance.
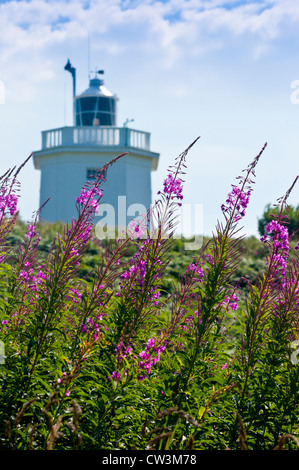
(105, 104)
(87, 119)
(88, 104)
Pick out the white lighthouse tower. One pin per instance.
(71, 155)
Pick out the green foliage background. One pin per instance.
(169, 410)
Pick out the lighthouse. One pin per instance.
(71, 155)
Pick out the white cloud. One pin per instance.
(172, 25)
(36, 32)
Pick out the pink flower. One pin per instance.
(136, 229)
(237, 200)
(115, 376)
(196, 270)
(87, 198)
(173, 187)
(280, 240)
(77, 295)
(31, 231)
(8, 202)
(231, 300)
(151, 343)
(24, 276)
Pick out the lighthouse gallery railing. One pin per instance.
(96, 135)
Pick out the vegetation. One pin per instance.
(134, 343)
(291, 214)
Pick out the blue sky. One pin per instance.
(222, 70)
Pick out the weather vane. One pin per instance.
(100, 72)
